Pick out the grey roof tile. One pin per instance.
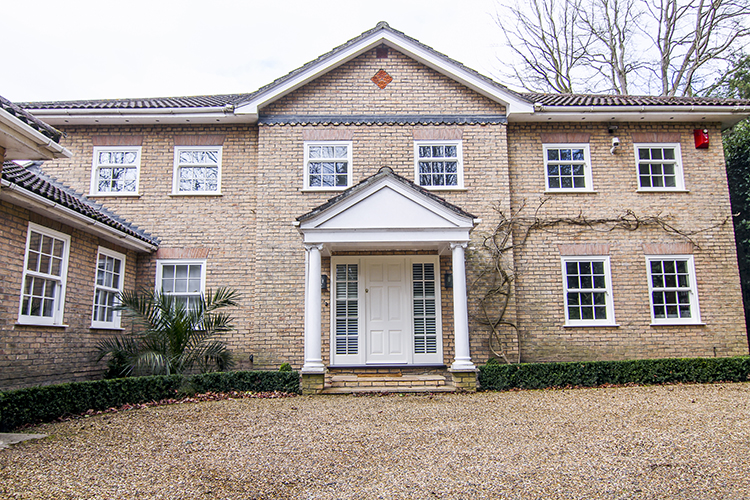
(33, 179)
(628, 100)
(31, 121)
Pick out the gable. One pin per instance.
(414, 89)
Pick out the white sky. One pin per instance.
(80, 49)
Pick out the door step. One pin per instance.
(388, 382)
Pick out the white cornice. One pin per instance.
(22, 142)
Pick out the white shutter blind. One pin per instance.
(425, 327)
(347, 309)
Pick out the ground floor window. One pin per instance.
(110, 269)
(674, 297)
(588, 291)
(44, 276)
(185, 280)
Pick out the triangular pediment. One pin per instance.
(388, 205)
(383, 34)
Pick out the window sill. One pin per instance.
(113, 195)
(678, 324)
(570, 191)
(594, 325)
(117, 328)
(324, 190)
(180, 195)
(47, 325)
(662, 191)
(438, 188)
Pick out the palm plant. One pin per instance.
(171, 336)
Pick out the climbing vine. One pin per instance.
(491, 258)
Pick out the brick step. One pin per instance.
(388, 389)
(384, 377)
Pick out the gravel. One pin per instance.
(671, 442)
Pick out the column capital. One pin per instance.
(311, 246)
(457, 244)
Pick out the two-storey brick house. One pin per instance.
(347, 201)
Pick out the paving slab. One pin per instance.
(7, 439)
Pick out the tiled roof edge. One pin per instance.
(35, 123)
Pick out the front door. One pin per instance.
(386, 310)
(387, 328)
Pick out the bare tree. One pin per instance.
(669, 47)
(612, 55)
(544, 34)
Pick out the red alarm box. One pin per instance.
(701, 138)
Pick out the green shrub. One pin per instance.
(47, 403)
(498, 377)
(285, 367)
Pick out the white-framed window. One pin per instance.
(672, 290)
(116, 170)
(110, 277)
(183, 279)
(567, 167)
(659, 167)
(587, 282)
(439, 164)
(197, 170)
(45, 271)
(328, 165)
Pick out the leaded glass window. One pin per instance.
(116, 170)
(347, 309)
(425, 308)
(197, 170)
(439, 164)
(328, 165)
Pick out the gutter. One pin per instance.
(40, 139)
(76, 219)
(642, 109)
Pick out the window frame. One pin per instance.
(692, 289)
(161, 263)
(177, 166)
(587, 169)
(459, 163)
(679, 172)
(349, 160)
(116, 315)
(94, 189)
(61, 281)
(610, 306)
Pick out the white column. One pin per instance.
(313, 358)
(462, 361)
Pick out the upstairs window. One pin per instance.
(439, 164)
(197, 170)
(110, 269)
(328, 165)
(659, 167)
(568, 168)
(115, 170)
(44, 275)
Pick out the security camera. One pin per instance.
(615, 142)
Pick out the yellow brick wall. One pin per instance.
(38, 355)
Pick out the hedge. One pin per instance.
(499, 377)
(47, 403)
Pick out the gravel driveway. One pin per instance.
(667, 442)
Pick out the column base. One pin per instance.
(464, 380)
(313, 383)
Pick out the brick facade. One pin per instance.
(248, 237)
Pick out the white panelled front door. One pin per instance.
(386, 310)
(387, 322)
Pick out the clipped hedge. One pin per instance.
(46, 403)
(499, 377)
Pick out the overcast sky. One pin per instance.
(76, 49)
